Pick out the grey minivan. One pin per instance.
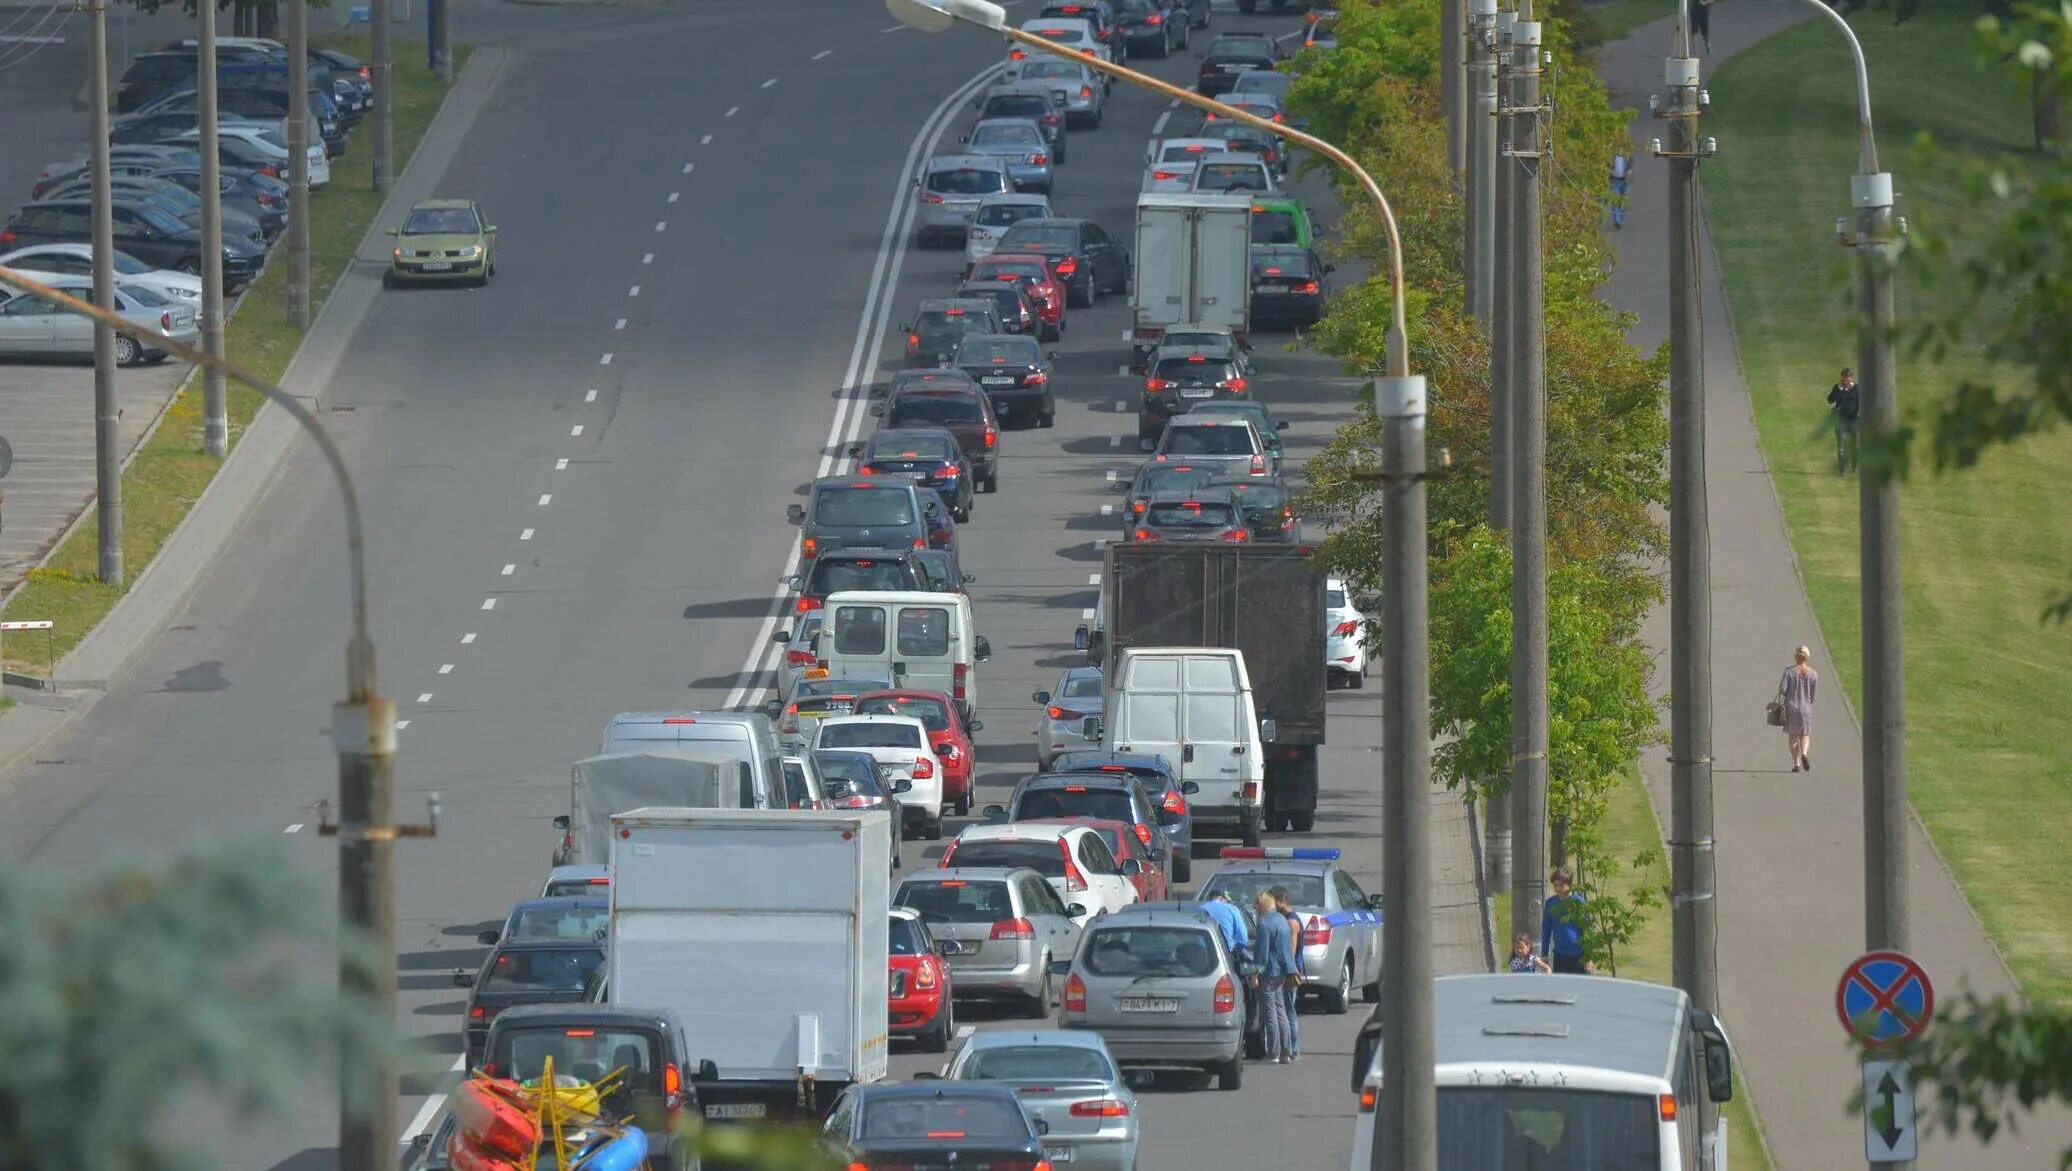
(947, 192)
(1009, 927)
(1157, 984)
(843, 511)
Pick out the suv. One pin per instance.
(155, 237)
(1010, 926)
(1198, 513)
(844, 511)
(588, 1041)
(1157, 983)
(932, 335)
(951, 400)
(1180, 381)
(948, 189)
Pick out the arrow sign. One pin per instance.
(1888, 1112)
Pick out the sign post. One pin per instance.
(1886, 999)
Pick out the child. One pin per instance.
(1524, 958)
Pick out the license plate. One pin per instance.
(734, 1110)
(998, 381)
(1203, 392)
(438, 266)
(1238, 68)
(1148, 1004)
(1268, 290)
(1058, 1154)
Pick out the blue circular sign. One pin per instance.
(1884, 998)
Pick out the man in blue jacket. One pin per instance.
(1237, 937)
(1561, 926)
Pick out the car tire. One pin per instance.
(1355, 680)
(388, 279)
(1048, 418)
(1165, 48)
(127, 351)
(1339, 995)
(990, 483)
(1303, 821)
(937, 1039)
(1371, 991)
(1229, 1075)
(932, 831)
(1183, 868)
(1076, 298)
(1038, 1006)
(961, 515)
(1248, 829)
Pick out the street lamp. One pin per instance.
(1409, 1140)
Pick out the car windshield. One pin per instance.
(1202, 370)
(870, 735)
(941, 1116)
(936, 408)
(920, 447)
(1044, 858)
(846, 774)
(129, 265)
(580, 1052)
(1273, 227)
(1334, 599)
(850, 506)
(160, 220)
(966, 181)
(1304, 890)
(1017, 106)
(542, 970)
(1001, 215)
(1160, 477)
(1209, 440)
(1190, 515)
(997, 353)
(1230, 177)
(1007, 135)
(843, 573)
(1082, 687)
(955, 900)
(1038, 236)
(143, 296)
(1101, 804)
(931, 712)
(1150, 951)
(536, 923)
(1038, 1063)
(1062, 69)
(447, 221)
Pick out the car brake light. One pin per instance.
(1304, 287)
(1074, 880)
(478, 1013)
(1057, 713)
(924, 769)
(1136, 506)
(1235, 385)
(1143, 833)
(1104, 1108)
(1068, 266)
(165, 321)
(1035, 378)
(948, 854)
(1086, 91)
(1146, 535)
(7, 236)
(924, 974)
(959, 675)
(1164, 176)
(1154, 18)
(1258, 465)
(866, 470)
(271, 171)
(1155, 384)
(1345, 629)
(1015, 54)
(1039, 159)
(1075, 993)
(809, 548)
(1316, 932)
(1249, 791)
(1368, 1094)
(1011, 928)
(992, 437)
(913, 341)
(1226, 995)
(930, 197)
(1237, 535)
(1174, 802)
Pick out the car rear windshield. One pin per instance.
(1001, 215)
(950, 324)
(967, 181)
(442, 222)
(973, 353)
(1194, 370)
(1039, 236)
(1007, 136)
(1289, 264)
(1230, 177)
(844, 775)
(1200, 340)
(936, 408)
(918, 447)
(1227, 440)
(1039, 1063)
(1190, 515)
(1047, 69)
(1274, 227)
(586, 1053)
(1334, 599)
(849, 506)
(957, 900)
(1510, 1128)
(1082, 687)
(542, 970)
(536, 923)
(1263, 81)
(1044, 858)
(870, 735)
(1258, 498)
(1017, 106)
(1183, 154)
(1304, 890)
(1150, 951)
(943, 1117)
(563, 888)
(877, 573)
(930, 712)
(1103, 804)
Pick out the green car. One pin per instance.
(1269, 428)
(442, 240)
(1278, 220)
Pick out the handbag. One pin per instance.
(1773, 712)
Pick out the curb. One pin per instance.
(165, 584)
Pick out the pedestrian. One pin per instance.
(1622, 174)
(1237, 937)
(1293, 993)
(1795, 691)
(1701, 23)
(1276, 970)
(1845, 402)
(1524, 958)
(1562, 918)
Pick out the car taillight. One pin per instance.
(1258, 465)
(809, 548)
(1304, 287)
(1235, 385)
(1249, 791)
(1086, 91)
(1147, 535)
(672, 1080)
(866, 470)
(947, 751)
(1016, 54)
(1136, 506)
(1163, 176)
(856, 803)
(1345, 629)
(165, 321)
(1226, 995)
(1068, 266)
(1174, 803)
(366, 71)
(271, 171)
(1074, 880)
(1104, 1108)
(1035, 378)
(480, 1014)
(7, 236)
(264, 199)
(1039, 159)
(1057, 713)
(1154, 18)
(1237, 535)
(1154, 385)
(924, 975)
(959, 676)
(913, 341)
(1075, 993)
(1316, 932)
(1013, 929)
(924, 769)
(930, 197)
(1049, 119)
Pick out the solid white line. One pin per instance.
(863, 353)
(1158, 127)
(766, 85)
(632, 292)
(822, 53)
(1121, 405)
(560, 465)
(705, 141)
(1123, 369)
(467, 638)
(733, 110)
(526, 535)
(422, 1120)
(509, 570)
(1106, 509)
(489, 603)
(589, 396)
(426, 697)
(546, 498)
(1115, 441)
(293, 829)
(673, 196)
(1087, 615)
(895, 28)
(647, 258)
(1174, 104)
(618, 325)
(446, 668)
(576, 430)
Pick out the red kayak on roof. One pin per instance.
(495, 1119)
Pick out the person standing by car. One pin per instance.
(1237, 937)
(1293, 992)
(1561, 926)
(1276, 971)
(1845, 401)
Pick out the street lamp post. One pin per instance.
(1409, 1142)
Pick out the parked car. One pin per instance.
(32, 327)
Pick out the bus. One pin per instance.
(1562, 1073)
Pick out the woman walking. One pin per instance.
(1795, 691)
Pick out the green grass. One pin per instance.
(1987, 722)
(1617, 18)
(169, 472)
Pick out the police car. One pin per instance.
(1341, 924)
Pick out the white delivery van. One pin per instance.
(764, 930)
(1194, 707)
(1193, 267)
(919, 640)
(745, 740)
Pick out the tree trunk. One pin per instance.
(2046, 111)
(269, 19)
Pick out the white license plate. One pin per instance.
(734, 1110)
(1203, 392)
(1269, 290)
(1148, 1004)
(438, 266)
(1058, 1154)
(1237, 68)
(1000, 381)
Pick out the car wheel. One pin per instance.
(1248, 831)
(1165, 48)
(1038, 1006)
(1355, 680)
(1303, 822)
(388, 279)
(126, 350)
(190, 265)
(1341, 994)
(961, 515)
(933, 830)
(1183, 868)
(937, 1039)
(990, 483)
(1229, 1075)
(1371, 991)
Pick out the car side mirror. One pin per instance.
(1329, 269)
(905, 328)
(876, 392)
(487, 938)
(948, 947)
(994, 813)
(1076, 910)
(561, 821)
(982, 650)
(462, 978)
(856, 451)
(968, 578)
(1268, 730)
(1059, 967)
(1374, 902)
(1718, 1056)
(1189, 788)
(795, 513)
(877, 410)
(1079, 637)
(902, 785)
(1051, 355)
(1042, 698)
(1131, 868)
(783, 635)
(975, 726)
(394, 231)
(1119, 487)
(1091, 728)
(963, 138)
(1280, 424)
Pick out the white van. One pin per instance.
(1564, 1073)
(919, 640)
(1194, 707)
(746, 739)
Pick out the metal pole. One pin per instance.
(442, 40)
(298, 163)
(1528, 408)
(1692, 859)
(215, 417)
(384, 95)
(1493, 206)
(364, 728)
(107, 414)
(1452, 87)
(1479, 266)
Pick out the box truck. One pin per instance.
(1194, 267)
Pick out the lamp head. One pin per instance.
(935, 16)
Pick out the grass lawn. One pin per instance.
(1987, 718)
(1616, 18)
(169, 472)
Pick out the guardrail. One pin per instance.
(49, 646)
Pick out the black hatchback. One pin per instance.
(951, 400)
(1088, 260)
(933, 1124)
(929, 456)
(1228, 56)
(1014, 372)
(549, 952)
(1179, 381)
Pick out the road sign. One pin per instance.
(1888, 1112)
(1884, 998)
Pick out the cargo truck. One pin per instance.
(663, 775)
(765, 931)
(1194, 267)
(1262, 600)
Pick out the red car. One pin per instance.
(1152, 883)
(1035, 273)
(948, 736)
(918, 985)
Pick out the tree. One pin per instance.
(1985, 1063)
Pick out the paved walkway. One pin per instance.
(1790, 846)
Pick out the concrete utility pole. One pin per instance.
(215, 414)
(298, 163)
(1479, 267)
(1692, 859)
(107, 415)
(1489, 215)
(1528, 406)
(364, 731)
(384, 96)
(1452, 81)
(442, 40)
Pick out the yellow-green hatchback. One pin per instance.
(443, 241)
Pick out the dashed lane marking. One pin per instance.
(489, 603)
(689, 167)
(1107, 510)
(575, 430)
(705, 141)
(546, 498)
(733, 110)
(674, 195)
(1121, 405)
(1158, 127)
(424, 697)
(446, 668)
(766, 85)
(589, 396)
(632, 292)
(560, 465)
(1115, 441)
(402, 724)
(618, 325)
(661, 225)
(1123, 370)
(293, 829)
(606, 360)
(647, 258)
(524, 536)
(822, 53)
(1087, 615)
(1093, 579)
(509, 570)
(467, 638)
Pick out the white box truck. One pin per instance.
(1194, 266)
(765, 930)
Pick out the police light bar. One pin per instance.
(1307, 853)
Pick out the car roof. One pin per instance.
(1041, 23)
(1031, 123)
(1060, 1038)
(580, 870)
(1046, 830)
(996, 337)
(1052, 221)
(1310, 866)
(442, 205)
(831, 721)
(1048, 780)
(1170, 914)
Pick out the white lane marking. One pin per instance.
(1100, 542)
(524, 536)
(425, 697)
(1115, 441)
(618, 325)
(467, 638)
(766, 85)
(560, 465)
(1174, 104)
(632, 292)
(689, 167)
(1107, 510)
(705, 141)
(1113, 475)
(546, 498)
(1121, 405)
(647, 258)
(293, 829)
(589, 396)
(422, 1120)
(576, 430)
(1123, 370)
(402, 724)
(1126, 335)
(822, 53)
(673, 195)
(446, 668)
(509, 570)
(661, 225)
(964, 1032)
(863, 353)
(1087, 615)
(489, 603)
(733, 110)
(895, 28)
(1093, 579)
(1158, 127)
(606, 360)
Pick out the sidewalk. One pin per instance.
(1790, 846)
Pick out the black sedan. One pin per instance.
(1150, 479)
(1010, 299)
(1086, 257)
(929, 456)
(933, 1124)
(1267, 508)
(1226, 57)
(539, 971)
(1013, 371)
(1288, 285)
(1179, 381)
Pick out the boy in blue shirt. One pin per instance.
(1561, 926)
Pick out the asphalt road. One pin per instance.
(710, 260)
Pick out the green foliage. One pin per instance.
(1985, 1064)
(129, 990)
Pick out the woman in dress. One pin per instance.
(1796, 691)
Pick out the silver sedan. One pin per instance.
(1067, 1080)
(1018, 143)
(1065, 708)
(31, 327)
(1086, 91)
